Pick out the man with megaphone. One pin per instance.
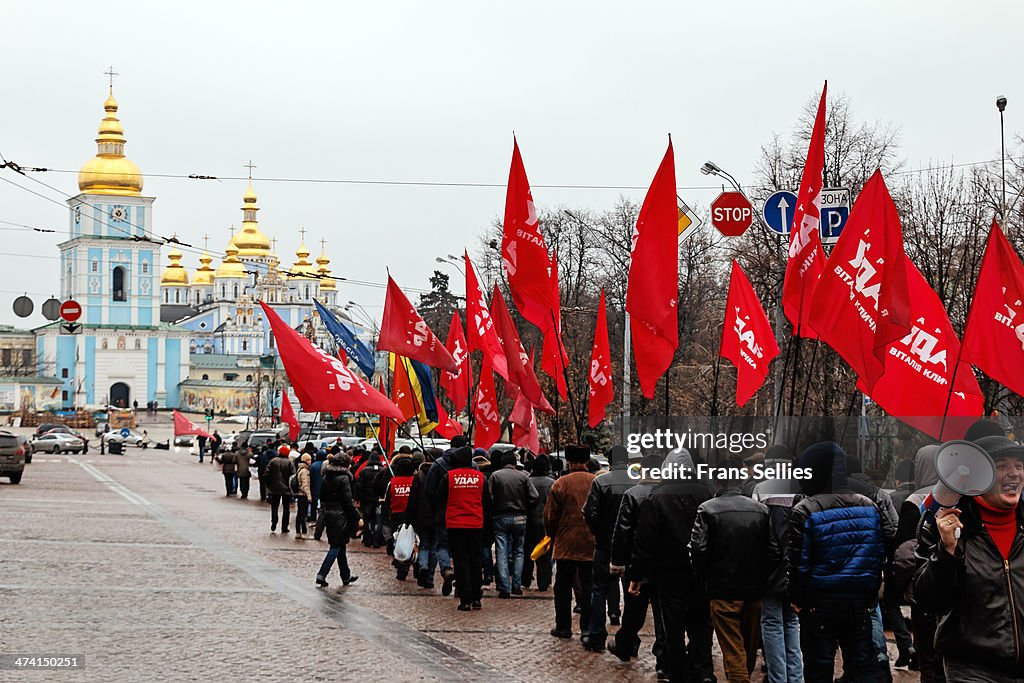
(970, 560)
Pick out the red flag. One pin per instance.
(401, 390)
(553, 357)
(403, 332)
(520, 372)
(920, 366)
(747, 337)
(288, 416)
(342, 356)
(446, 426)
(479, 327)
(457, 384)
(806, 257)
(601, 390)
(485, 412)
(524, 256)
(861, 304)
(183, 425)
(544, 405)
(387, 428)
(321, 382)
(652, 294)
(994, 338)
(524, 424)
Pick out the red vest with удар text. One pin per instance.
(465, 508)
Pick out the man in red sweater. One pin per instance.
(465, 501)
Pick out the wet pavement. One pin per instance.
(142, 565)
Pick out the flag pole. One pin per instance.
(565, 374)
(415, 404)
(387, 458)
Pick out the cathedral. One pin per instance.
(184, 339)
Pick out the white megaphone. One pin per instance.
(964, 469)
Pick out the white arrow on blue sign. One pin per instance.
(125, 432)
(778, 211)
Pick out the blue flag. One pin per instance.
(346, 339)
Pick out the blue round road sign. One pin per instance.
(125, 432)
(778, 211)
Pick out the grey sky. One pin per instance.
(432, 92)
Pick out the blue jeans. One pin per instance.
(509, 543)
(426, 557)
(780, 631)
(444, 558)
(878, 636)
(336, 552)
(600, 581)
(372, 531)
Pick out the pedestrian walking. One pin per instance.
(266, 455)
(436, 475)
(227, 468)
(315, 479)
(540, 478)
(242, 471)
(215, 443)
(367, 494)
(278, 474)
(466, 504)
(732, 550)
(396, 501)
(573, 542)
(341, 520)
(302, 499)
(420, 514)
(511, 494)
(201, 440)
(600, 512)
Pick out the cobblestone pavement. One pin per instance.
(141, 564)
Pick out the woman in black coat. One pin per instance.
(341, 520)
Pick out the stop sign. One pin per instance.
(732, 213)
(70, 310)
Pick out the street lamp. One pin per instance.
(1001, 106)
(451, 261)
(711, 168)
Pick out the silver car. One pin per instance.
(57, 442)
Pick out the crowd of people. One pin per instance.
(795, 569)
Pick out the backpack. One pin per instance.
(293, 484)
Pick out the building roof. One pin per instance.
(217, 383)
(173, 313)
(30, 379)
(222, 361)
(110, 171)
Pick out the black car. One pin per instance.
(12, 457)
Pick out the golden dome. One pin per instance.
(231, 267)
(110, 172)
(250, 240)
(174, 275)
(302, 268)
(326, 281)
(204, 273)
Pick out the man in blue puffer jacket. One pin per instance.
(837, 545)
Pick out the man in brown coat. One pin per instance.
(573, 542)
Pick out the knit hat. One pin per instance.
(306, 458)
(284, 450)
(459, 441)
(509, 458)
(541, 465)
(617, 456)
(982, 428)
(577, 454)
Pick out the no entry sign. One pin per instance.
(732, 213)
(70, 310)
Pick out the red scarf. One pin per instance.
(1000, 524)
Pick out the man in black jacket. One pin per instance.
(512, 493)
(626, 643)
(600, 512)
(368, 495)
(974, 579)
(661, 555)
(279, 471)
(732, 550)
(540, 477)
(436, 476)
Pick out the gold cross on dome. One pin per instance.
(249, 166)
(273, 244)
(323, 244)
(111, 73)
(206, 242)
(302, 235)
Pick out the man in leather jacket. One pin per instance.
(975, 583)
(732, 551)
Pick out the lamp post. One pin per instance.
(1001, 106)
(451, 261)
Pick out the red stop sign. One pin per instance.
(70, 310)
(732, 213)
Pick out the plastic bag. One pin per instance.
(542, 549)
(405, 543)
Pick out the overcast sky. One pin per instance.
(418, 91)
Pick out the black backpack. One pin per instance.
(293, 484)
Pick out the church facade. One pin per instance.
(146, 326)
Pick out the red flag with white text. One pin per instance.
(401, 389)
(652, 294)
(183, 425)
(405, 333)
(600, 380)
(994, 336)
(524, 424)
(456, 384)
(487, 421)
(747, 337)
(524, 255)
(321, 382)
(806, 257)
(480, 330)
(861, 302)
(920, 366)
(520, 373)
(553, 357)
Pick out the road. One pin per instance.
(141, 564)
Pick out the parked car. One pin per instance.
(64, 429)
(26, 443)
(47, 426)
(134, 438)
(12, 457)
(260, 439)
(184, 440)
(58, 442)
(428, 442)
(319, 437)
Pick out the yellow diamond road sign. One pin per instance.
(688, 220)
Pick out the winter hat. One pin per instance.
(284, 450)
(577, 454)
(1001, 447)
(617, 456)
(509, 458)
(306, 458)
(541, 465)
(822, 458)
(459, 441)
(982, 428)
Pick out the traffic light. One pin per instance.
(209, 414)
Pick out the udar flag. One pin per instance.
(183, 425)
(601, 390)
(861, 303)
(919, 370)
(480, 330)
(457, 383)
(520, 371)
(747, 337)
(994, 337)
(487, 421)
(404, 332)
(554, 359)
(321, 382)
(652, 293)
(806, 257)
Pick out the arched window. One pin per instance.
(223, 292)
(206, 377)
(119, 284)
(248, 378)
(167, 296)
(245, 345)
(177, 296)
(138, 344)
(234, 292)
(307, 292)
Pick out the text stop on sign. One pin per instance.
(732, 213)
